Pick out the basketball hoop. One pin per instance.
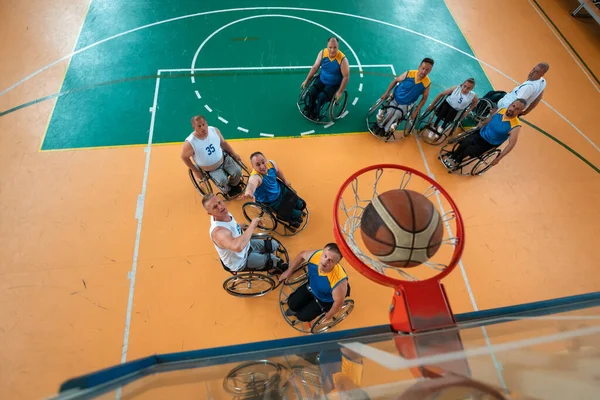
(419, 301)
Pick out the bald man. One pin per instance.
(531, 90)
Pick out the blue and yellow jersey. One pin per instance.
(409, 90)
(497, 130)
(269, 190)
(321, 283)
(339, 373)
(331, 73)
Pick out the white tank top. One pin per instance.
(207, 151)
(460, 101)
(528, 91)
(232, 260)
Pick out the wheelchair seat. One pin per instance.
(432, 135)
(404, 124)
(279, 221)
(204, 185)
(319, 324)
(256, 282)
(469, 166)
(330, 111)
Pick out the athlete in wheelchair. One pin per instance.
(320, 294)
(476, 151)
(254, 260)
(446, 112)
(273, 199)
(486, 107)
(323, 97)
(399, 103)
(210, 158)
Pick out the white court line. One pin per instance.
(344, 114)
(565, 46)
(307, 133)
(239, 128)
(266, 134)
(328, 125)
(208, 108)
(360, 87)
(497, 364)
(139, 215)
(223, 120)
(394, 362)
(282, 67)
(287, 9)
(198, 94)
(393, 70)
(355, 101)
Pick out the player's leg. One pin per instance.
(260, 254)
(219, 176)
(312, 310)
(299, 299)
(313, 93)
(233, 169)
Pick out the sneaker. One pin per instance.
(440, 129)
(289, 313)
(234, 190)
(393, 127)
(380, 115)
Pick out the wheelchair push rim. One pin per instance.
(249, 280)
(321, 325)
(203, 185)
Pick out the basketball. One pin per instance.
(401, 228)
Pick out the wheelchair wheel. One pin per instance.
(243, 180)
(372, 125)
(203, 185)
(252, 378)
(252, 210)
(410, 120)
(249, 284)
(322, 325)
(485, 162)
(337, 108)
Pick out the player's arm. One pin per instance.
(225, 240)
(396, 81)
(302, 257)
(280, 175)
(187, 152)
(473, 105)
(439, 96)
(533, 104)
(338, 294)
(345, 70)
(423, 100)
(313, 69)
(487, 120)
(253, 182)
(227, 147)
(512, 141)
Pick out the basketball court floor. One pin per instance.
(106, 255)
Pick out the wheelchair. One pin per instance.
(430, 134)
(256, 282)
(483, 109)
(319, 324)
(254, 379)
(404, 125)
(469, 166)
(279, 222)
(205, 184)
(330, 111)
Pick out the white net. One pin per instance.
(363, 189)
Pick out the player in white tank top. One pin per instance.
(234, 261)
(458, 98)
(207, 151)
(207, 147)
(532, 90)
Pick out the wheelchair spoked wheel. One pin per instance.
(485, 162)
(268, 222)
(243, 182)
(253, 378)
(303, 101)
(250, 284)
(337, 108)
(299, 278)
(322, 325)
(203, 185)
(371, 120)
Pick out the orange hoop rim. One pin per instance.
(364, 269)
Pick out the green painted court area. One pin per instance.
(247, 66)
